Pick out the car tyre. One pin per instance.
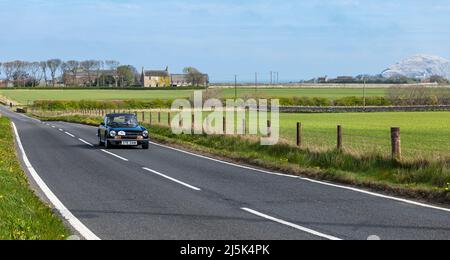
(106, 144)
(100, 142)
(145, 146)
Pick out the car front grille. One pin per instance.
(132, 135)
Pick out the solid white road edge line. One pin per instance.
(172, 179)
(85, 142)
(115, 155)
(310, 180)
(69, 134)
(74, 222)
(292, 225)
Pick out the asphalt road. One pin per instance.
(163, 193)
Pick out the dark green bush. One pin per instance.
(345, 101)
(91, 104)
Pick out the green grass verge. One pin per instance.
(22, 215)
(419, 179)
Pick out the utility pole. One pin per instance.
(271, 77)
(364, 92)
(256, 82)
(235, 87)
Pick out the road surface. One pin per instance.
(165, 193)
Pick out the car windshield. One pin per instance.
(123, 121)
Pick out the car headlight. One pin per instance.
(113, 133)
(122, 133)
(145, 133)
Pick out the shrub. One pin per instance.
(90, 104)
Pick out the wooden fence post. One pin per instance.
(299, 134)
(224, 125)
(269, 128)
(159, 117)
(339, 137)
(143, 116)
(150, 118)
(168, 118)
(396, 143)
(193, 123)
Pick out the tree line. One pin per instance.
(55, 71)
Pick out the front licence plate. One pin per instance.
(129, 143)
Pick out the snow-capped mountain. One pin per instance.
(420, 66)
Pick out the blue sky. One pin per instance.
(300, 39)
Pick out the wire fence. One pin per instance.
(412, 146)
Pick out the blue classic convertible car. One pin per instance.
(122, 130)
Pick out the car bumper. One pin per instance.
(118, 142)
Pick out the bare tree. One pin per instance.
(43, 66)
(54, 65)
(97, 66)
(88, 66)
(113, 65)
(8, 68)
(101, 68)
(195, 77)
(18, 72)
(65, 73)
(35, 72)
(73, 66)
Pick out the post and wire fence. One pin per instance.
(388, 142)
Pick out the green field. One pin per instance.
(25, 96)
(424, 134)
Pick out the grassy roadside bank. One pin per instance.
(424, 180)
(22, 215)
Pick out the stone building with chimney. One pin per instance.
(163, 78)
(155, 78)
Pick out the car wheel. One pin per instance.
(100, 142)
(145, 146)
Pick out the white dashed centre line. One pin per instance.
(115, 155)
(292, 225)
(172, 179)
(85, 142)
(69, 134)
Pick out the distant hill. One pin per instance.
(420, 66)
